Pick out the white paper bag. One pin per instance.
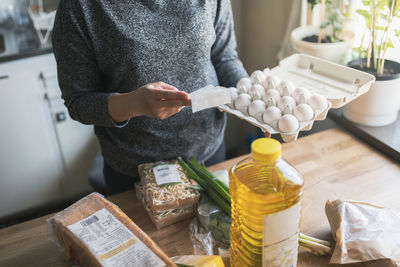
(364, 233)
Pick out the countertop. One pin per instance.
(385, 138)
(35, 52)
(334, 164)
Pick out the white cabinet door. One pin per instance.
(79, 147)
(30, 169)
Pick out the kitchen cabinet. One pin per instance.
(45, 155)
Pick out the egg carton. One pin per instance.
(338, 84)
(273, 129)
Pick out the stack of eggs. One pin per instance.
(277, 103)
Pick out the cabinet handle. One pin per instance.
(60, 116)
(4, 77)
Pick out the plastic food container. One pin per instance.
(338, 83)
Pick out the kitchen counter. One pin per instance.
(385, 138)
(35, 52)
(335, 165)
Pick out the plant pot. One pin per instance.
(338, 52)
(381, 104)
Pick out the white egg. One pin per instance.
(286, 88)
(300, 92)
(244, 85)
(256, 108)
(287, 109)
(286, 100)
(257, 91)
(271, 82)
(234, 94)
(242, 102)
(271, 115)
(303, 112)
(318, 102)
(288, 123)
(270, 102)
(258, 77)
(272, 93)
(267, 72)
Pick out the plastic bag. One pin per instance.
(164, 218)
(201, 239)
(95, 232)
(167, 195)
(364, 233)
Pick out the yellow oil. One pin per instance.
(258, 189)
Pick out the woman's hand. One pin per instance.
(158, 100)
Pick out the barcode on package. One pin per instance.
(90, 220)
(112, 243)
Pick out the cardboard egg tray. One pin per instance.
(338, 83)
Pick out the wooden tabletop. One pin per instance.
(334, 164)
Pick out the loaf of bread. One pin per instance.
(79, 246)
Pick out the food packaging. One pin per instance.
(95, 232)
(202, 240)
(208, 97)
(199, 261)
(364, 233)
(165, 218)
(172, 195)
(339, 84)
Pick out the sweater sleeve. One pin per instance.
(79, 76)
(223, 52)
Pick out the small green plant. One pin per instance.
(332, 23)
(379, 16)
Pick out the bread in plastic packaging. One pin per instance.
(168, 196)
(95, 232)
(364, 233)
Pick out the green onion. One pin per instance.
(215, 195)
(210, 179)
(315, 246)
(208, 176)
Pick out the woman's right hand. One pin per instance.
(158, 100)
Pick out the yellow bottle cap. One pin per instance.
(267, 150)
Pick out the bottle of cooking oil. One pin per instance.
(265, 202)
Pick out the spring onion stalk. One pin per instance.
(219, 192)
(211, 180)
(315, 246)
(215, 195)
(211, 177)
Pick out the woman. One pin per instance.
(127, 67)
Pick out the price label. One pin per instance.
(166, 174)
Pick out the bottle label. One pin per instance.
(281, 237)
(166, 174)
(112, 243)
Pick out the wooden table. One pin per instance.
(335, 165)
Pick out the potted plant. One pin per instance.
(380, 105)
(330, 40)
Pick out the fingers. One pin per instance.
(164, 85)
(161, 94)
(178, 103)
(267, 134)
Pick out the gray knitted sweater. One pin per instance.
(113, 46)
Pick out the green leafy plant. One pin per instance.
(332, 18)
(379, 16)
